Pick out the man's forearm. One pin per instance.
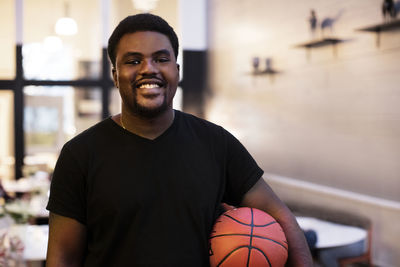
(299, 252)
(262, 197)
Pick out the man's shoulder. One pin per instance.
(91, 133)
(195, 121)
(203, 130)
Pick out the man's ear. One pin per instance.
(178, 73)
(115, 77)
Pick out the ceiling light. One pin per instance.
(145, 5)
(66, 25)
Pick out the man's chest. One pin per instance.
(190, 178)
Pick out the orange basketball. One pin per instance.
(247, 237)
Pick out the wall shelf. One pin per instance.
(270, 73)
(321, 43)
(265, 72)
(381, 27)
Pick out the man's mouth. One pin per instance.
(148, 86)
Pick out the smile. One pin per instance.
(149, 83)
(148, 86)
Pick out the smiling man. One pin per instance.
(146, 74)
(144, 187)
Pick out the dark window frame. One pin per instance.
(19, 82)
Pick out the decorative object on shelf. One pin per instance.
(267, 69)
(313, 23)
(268, 66)
(390, 9)
(256, 64)
(329, 23)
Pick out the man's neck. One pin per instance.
(149, 128)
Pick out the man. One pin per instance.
(144, 187)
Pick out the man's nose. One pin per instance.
(148, 66)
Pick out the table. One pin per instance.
(34, 238)
(331, 234)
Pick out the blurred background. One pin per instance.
(310, 87)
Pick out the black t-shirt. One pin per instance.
(150, 202)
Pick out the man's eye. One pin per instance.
(162, 59)
(133, 62)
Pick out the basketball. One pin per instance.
(247, 237)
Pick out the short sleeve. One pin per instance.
(67, 190)
(242, 171)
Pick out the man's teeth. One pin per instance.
(149, 85)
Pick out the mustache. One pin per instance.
(146, 78)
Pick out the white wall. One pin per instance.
(7, 135)
(7, 39)
(324, 119)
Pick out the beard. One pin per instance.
(146, 112)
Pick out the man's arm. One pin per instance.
(262, 197)
(67, 242)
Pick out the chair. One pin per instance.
(340, 217)
(363, 258)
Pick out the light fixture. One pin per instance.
(145, 5)
(66, 25)
(52, 43)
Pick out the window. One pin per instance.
(59, 88)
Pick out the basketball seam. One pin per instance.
(248, 260)
(247, 224)
(230, 253)
(257, 236)
(251, 236)
(262, 252)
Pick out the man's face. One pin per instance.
(146, 73)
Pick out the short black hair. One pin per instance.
(141, 22)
